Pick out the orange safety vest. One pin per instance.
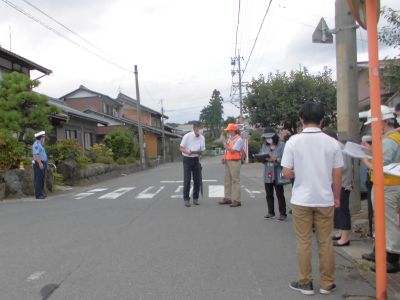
(236, 155)
(390, 179)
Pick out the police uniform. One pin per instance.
(39, 174)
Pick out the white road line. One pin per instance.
(181, 181)
(250, 193)
(35, 276)
(82, 195)
(145, 194)
(179, 190)
(117, 193)
(98, 190)
(215, 191)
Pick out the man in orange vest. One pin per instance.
(391, 154)
(232, 160)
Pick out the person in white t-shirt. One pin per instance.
(192, 146)
(315, 160)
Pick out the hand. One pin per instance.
(223, 161)
(367, 146)
(337, 203)
(41, 166)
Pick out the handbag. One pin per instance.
(282, 180)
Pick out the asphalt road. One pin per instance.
(132, 238)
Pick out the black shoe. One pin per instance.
(305, 288)
(390, 268)
(337, 244)
(369, 256)
(329, 290)
(281, 218)
(187, 203)
(196, 202)
(336, 238)
(269, 216)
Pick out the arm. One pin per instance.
(287, 162)
(37, 159)
(288, 173)
(185, 150)
(336, 185)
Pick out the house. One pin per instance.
(388, 96)
(74, 124)
(10, 62)
(122, 112)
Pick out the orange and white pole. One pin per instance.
(375, 92)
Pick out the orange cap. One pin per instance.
(231, 126)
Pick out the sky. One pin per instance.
(182, 48)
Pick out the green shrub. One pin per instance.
(103, 154)
(83, 161)
(58, 178)
(121, 161)
(63, 150)
(11, 151)
(122, 144)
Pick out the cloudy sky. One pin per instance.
(182, 47)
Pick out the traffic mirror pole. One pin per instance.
(376, 116)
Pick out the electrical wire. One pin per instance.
(258, 33)
(9, 3)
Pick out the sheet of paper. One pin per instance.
(392, 169)
(356, 150)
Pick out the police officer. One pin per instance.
(39, 164)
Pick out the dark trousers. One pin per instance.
(342, 217)
(269, 190)
(191, 166)
(39, 176)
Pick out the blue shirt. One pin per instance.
(238, 144)
(38, 149)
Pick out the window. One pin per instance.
(71, 134)
(88, 140)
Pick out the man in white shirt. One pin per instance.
(315, 160)
(192, 146)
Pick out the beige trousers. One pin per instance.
(232, 180)
(303, 219)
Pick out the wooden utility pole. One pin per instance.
(347, 91)
(163, 132)
(138, 108)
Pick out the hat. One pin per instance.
(231, 126)
(366, 138)
(39, 134)
(269, 132)
(387, 113)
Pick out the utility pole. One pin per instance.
(238, 84)
(240, 91)
(141, 142)
(163, 131)
(347, 91)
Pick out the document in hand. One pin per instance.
(356, 150)
(392, 169)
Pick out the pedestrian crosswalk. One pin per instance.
(169, 189)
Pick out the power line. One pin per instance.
(9, 3)
(237, 28)
(64, 26)
(258, 33)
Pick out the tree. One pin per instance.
(276, 100)
(228, 120)
(122, 144)
(211, 115)
(21, 109)
(390, 35)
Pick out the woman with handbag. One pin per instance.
(273, 148)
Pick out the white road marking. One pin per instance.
(215, 191)
(82, 195)
(146, 193)
(252, 193)
(98, 190)
(117, 193)
(35, 276)
(181, 181)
